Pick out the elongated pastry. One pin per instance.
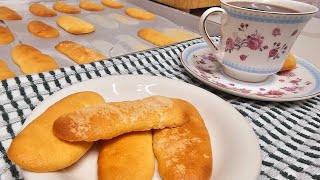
(6, 36)
(140, 14)
(184, 152)
(78, 53)
(90, 6)
(129, 156)
(75, 25)
(37, 149)
(42, 30)
(112, 119)
(290, 63)
(65, 8)
(31, 60)
(5, 72)
(8, 14)
(41, 10)
(112, 4)
(155, 37)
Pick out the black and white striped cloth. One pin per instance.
(289, 132)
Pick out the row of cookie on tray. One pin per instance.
(36, 62)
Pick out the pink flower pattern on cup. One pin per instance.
(276, 32)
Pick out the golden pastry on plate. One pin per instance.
(42, 30)
(91, 6)
(6, 36)
(65, 8)
(5, 72)
(8, 14)
(75, 25)
(140, 14)
(155, 37)
(112, 4)
(41, 10)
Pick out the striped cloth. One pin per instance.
(289, 132)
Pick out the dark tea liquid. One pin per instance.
(263, 7)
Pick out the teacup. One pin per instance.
(256, 35)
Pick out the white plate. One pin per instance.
(236, 152)
(300, 83)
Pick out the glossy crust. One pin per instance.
(6, 36)
(8, 14)
(129, 156)
(90, 6)
(75, 25)
(42, 30)
(155, 37)
(112, 4)
(37, 149)
(140, 14)
(113, 119)
(184, 152)
(78, 53)
(5, 72)
(31, 60)
(290, 63)
(41, 10)
(65, 8)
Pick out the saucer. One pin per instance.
(300, 83)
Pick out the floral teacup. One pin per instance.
(255, 43)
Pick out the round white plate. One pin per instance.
(297, 84)
(236, 152)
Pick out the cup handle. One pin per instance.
(203, 31)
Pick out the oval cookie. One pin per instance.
(6, 37)
(42, 30)
(41, 10)
(78, 53)
(31, 60)
(75, 25)
(155, 37)
(65, 8)
(90, 6)
(8, 14)
(5, 72)
(140, 14)
(37, 149)
(113, 4)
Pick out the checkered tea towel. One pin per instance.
(289, 132)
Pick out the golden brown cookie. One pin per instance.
(41, 10)
(36, 149)
(290, 63)
(65, 8)
(113, 119)
(113, 4)
(155, 37)
(140, 14)
(31, 60)
(5, 72)
(78, 53)
(8, 14)
(42, 30)
(129, 156)
(179, 35)
(6, 37)
(75, 25)
(90, 6)
(184, 152)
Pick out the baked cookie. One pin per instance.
(140, 14)
(6, 37)
(184, 152)
(65, 8)
(180, 35)
(8, 14)
(5, 72)
(42, 30)
(155, 37)
(75, 25)
(113, 4)
(41, 10)
(113, 119)
(36, 149)
(78, 53)
(31, 60)
(90, 6)
(129, 156)
(290, 63)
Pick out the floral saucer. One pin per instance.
(297, 84)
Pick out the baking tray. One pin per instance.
(111, 38)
